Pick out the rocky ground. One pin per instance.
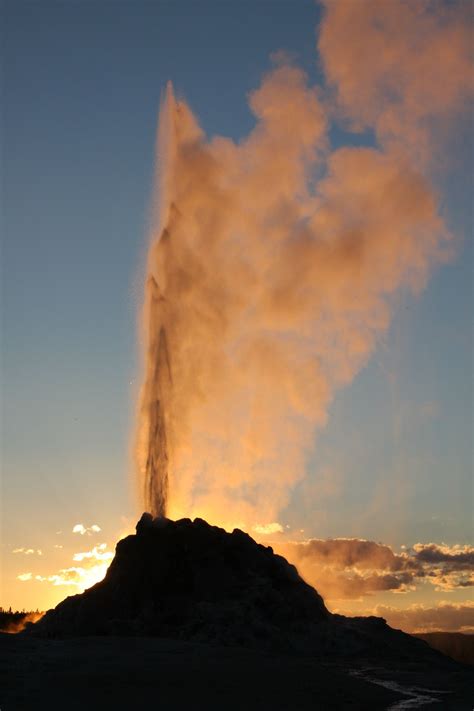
(149, 673)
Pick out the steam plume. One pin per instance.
(18, 626)
(271, 270)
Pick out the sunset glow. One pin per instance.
(254, 307)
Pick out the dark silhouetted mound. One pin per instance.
(189, 616)
(190, 580)
(187, 580)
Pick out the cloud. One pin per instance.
(446, 567)
(93, 569)
(445, 616)
(268, 528)
(351, 568)
(97, 553)
(65, 576)
(433, 553)
(348, 552)
(28, 551)
(82, 530)
(77, 577)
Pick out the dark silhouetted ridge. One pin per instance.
(456, 645)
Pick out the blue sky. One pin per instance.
(82, 83)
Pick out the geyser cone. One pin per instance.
(188, 580)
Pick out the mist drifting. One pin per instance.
(274, 261)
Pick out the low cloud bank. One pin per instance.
(443, 617)
(94, 566)
(350, 568)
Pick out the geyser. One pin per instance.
(156, 465)
(274, 263)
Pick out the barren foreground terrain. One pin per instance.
(141, 673)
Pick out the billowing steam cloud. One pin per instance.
(273, 261)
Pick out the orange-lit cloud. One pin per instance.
(28, 551)
(348, 568)
(445, 616)
(78, 577)
(93, 569)
(268, 529)
(97, 553)
(446, 567)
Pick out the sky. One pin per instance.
(393, 465)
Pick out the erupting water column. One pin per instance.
(152, 449)
(156, 468)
